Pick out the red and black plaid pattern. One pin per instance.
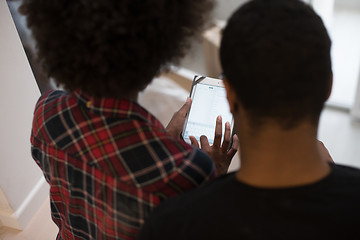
(109, 163)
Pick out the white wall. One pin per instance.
(325, 8)
(22, 186)
(354, 5)
(224, 8)
(355, 112)
(348, 4)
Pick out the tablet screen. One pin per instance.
(208, 102)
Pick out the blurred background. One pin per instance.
(342, 18)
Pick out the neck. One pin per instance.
(274, 157)
(133, 97)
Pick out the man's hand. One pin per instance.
(177, 121)
(220, 154)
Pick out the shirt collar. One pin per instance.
(114, 107)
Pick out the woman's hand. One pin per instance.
(219, 152)
(176, 124)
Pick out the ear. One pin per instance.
(330, 87)
(231, 97)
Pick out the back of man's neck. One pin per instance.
(278, 159)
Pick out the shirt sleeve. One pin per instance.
(196, 169)
(38, 150)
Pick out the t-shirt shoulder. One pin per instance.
(341, 177)
(345, 175)
(196, 196)
(348, 171)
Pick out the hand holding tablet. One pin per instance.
(219, 152)
(208, 118)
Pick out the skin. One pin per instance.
(272, 157)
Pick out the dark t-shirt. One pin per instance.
(229, 209)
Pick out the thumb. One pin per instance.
(185, 108)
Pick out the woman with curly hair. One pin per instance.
(108, 161)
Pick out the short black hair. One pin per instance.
(276, 55)
(110, 48)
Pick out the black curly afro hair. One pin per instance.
(112, 48)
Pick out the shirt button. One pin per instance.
(88, 104)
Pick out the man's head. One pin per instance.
(275, 55)
(112, 47)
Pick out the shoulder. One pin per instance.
(51, 96)
(345, 172)
(168, 218)
(209, 192)
(197, 198)
(346, 176)
(48, 101)
(48, 107)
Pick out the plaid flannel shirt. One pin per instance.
(109, 163)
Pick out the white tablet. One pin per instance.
(208, 101)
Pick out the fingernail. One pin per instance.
(227, 124)
(188, 100)
(218, 118)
